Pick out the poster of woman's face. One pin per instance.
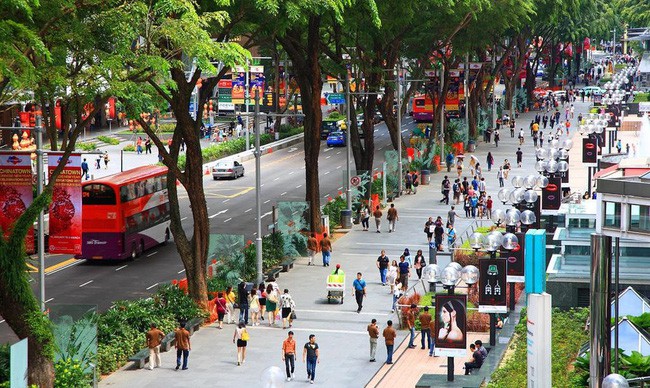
(451, 319)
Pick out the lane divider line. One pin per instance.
(85, 284)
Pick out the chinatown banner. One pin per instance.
(451, 325)
(65, 209)
(16, 192)
(492, 286)
(515, 260)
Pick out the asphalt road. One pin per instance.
(231, 207)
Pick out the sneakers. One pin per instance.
(288, 378)
(311, 381)
(177, 367)
(373, 360)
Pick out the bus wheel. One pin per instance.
(134, 252)
(167, 237)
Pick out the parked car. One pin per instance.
(227, 169)
(326, 127)
(337, 138)
(593, 90)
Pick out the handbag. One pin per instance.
(292, 316)
(245, 336)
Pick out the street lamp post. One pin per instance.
(40, 171)
(399, 133)
(258, 188)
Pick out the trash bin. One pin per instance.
(346, 219)
(426, 177)
(471, 146)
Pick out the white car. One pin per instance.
(227, 169)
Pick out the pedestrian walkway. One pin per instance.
(340, 331)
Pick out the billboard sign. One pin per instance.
(65, 209)
(492, 286)
(451, 325)
(552, 194)
(515, 260)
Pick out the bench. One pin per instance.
(140, 358)
(168, 342)
(193, 325)
(287, 265)
(273, 273)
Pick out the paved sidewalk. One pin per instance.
(340, 331)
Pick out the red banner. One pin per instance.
(65, 209)
(15, 192)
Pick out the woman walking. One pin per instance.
(365, 217)
(288, 305)
(230, 305)
(261, 296)
(428, 229)
(391, 275)
(241, 337)
(419, 263)
(490, 161)
(271, 303)
(254, 307)
(220, 306)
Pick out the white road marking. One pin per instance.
(338, 167)
(340, 188)
(181, 271)
(262, 185)
(226, 200)
(376, 130)
(266, 214)
(291, 173)
(283, 193)
(404, 130)
(3, 321)
(396, 245)
(338, 153)
(228, 219)
(328, 149)
(152, 253)
(276, 179)
(214, 215)
(183, 219)
(267, 201)
(328, 156)
(326, 172)
(404, 125)
(248, 210)
(152, 286)
(122, 267)
(338, 312)
(49, 300)
(299, 186)
(292, 149)
(85, 284)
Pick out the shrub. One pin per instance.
(69, 373)
(333, 210)
(166, 128)
(227, 148)
(90, 146)
(4, 362)
(129, 148)
(108, 140)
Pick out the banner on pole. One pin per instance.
(451, 325)
(492, 286)
(16, 192)
(65, 209)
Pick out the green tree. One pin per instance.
(179, 44)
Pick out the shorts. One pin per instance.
(404, 280)
(262, 302)
(286, 311)
(220, 316)
(241, 343)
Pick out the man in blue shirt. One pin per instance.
(359, 286)
(404, 272)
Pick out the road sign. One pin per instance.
(355, 181)
(335, 98)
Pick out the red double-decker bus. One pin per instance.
(125, 214)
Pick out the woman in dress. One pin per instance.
(241, 338)
(391, 275)
(220, 306)
(419, 263)
(287, 304)
(230, 305)
(271, 303)
(261, 295)
(254, 307)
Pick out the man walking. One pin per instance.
(289, 355)
(311, 356)
(410, 321)
(404, 272)
(326, 250)
(392, 217)
(451, 216)
(389, 335)
(359, 286)
(373, 332)
(425, 328)
(154, 338)
(500, 176)
(312, 248)
(382, 264)
(183, 346)
(84, 170)
(446, 186)
(242, 296)
(520, 155)
(377, 214)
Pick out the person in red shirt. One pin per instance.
(220, 306)
(488, 206)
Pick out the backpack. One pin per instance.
(245, 336)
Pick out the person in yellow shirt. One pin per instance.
(230, 305)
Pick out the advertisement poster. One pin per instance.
(224, 88)
(552, 194)
(492, 286)
(15, 192)
(256, 83)
(65, 209)
(515, 260)
(451, 325)
(589, 152)
(238, 85)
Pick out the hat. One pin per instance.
(338, 266)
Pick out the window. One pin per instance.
(139, 189)
(640, 218)
(97, 194)
(612, 215)
(582, 223)
(419, 102)
(147, 218)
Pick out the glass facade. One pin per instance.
(612, 215)
(639, 218)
